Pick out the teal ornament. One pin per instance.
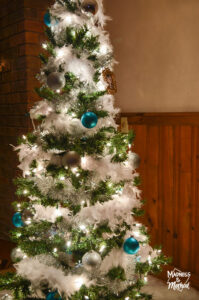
(131, 246)
(17, 220)
(47, 19)
(53, 296)
(89, 119)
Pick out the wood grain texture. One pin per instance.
(168, 144)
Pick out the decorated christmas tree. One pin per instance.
(77, 230)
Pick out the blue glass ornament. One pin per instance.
(47, 19)
(17, 220)
(53, 296)
(131, 246)
(89, 120)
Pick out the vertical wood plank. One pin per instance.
(166, 187)
(151, 184)
(184, 211)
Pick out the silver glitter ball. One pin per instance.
(55, 81)
(134, 159)
(91, 260)
(16, 254)
(71, 159)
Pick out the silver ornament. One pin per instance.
(55, 81)
(90, 6)
(134, 159)
(16, 254)
(91, 260)
(71, 159)
(26, 214)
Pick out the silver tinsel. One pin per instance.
(55, 81)
(91, 260)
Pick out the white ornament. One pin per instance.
(134, 160)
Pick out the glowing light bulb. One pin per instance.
(74, 170)
(24, 137)
(83, 160)
(25, 192)
(62, 178)
(102, 248)
(82, 227)
(27, 173)
(68, 19)
(79, 282)
(136, 233)
(73, 114)
(58, 91)
(77, 174)
(25, 256)
(149, 260)
(58, 212)
(108, 144)
(55, 250)
(44, 46)
(86, 297)
(18, 205)
(127, 298)
(60, 53)
(68, 244)
(28, 221)
(145, 279)
(103, 49)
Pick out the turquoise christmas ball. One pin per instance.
(131, 246)
(53, 296)
(17, 220)
(89, 119)
(47, 19)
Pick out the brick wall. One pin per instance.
(21, 35)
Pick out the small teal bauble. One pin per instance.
(53, 296)
(131, 246)
(89, 120)
(17, 220)
(47, 19)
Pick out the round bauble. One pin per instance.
(89, 120)
(55, 81)
(134, 160)
(91, 260)
(17, 220)
(47, 19)
(16, 254)
(53, 296)
(131, 246)
(90, 6)
(26, 215)
(71, 159)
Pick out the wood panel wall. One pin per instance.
(168, 144)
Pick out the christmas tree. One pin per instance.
(76, 219)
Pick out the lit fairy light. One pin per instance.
(159, 251)
(25, 192)
(77, 174)
(149, 260)
(68, 19)
(23, 137)
(25, 256)
(74, 170)
(110, 184)
(136, 233)
(58, 91)
(55, 250)
(83, 160)
(79, 282)
(73, 115)
(18, 234)
(102, 248)
(27, 173)
(60, 53)
(103, 49)
(68, 244)
(108, 144)
(145, 279)
(19, 205)
(127, 298)
(44, 46)
(82, 227)
(83, 202)
(86, 297)
(62, 178)
(58, 212)
(28, 221)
